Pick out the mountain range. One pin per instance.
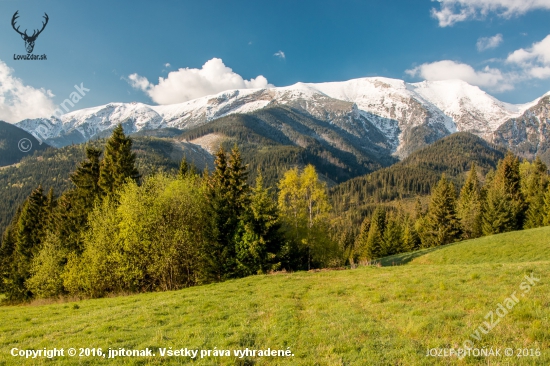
(387, 115)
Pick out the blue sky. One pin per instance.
(119, 49)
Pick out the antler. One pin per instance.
(13, 19)
(34, 35)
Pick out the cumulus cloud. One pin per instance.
(486, 43)
(19, 101)
(534, 61)
(454, 11)
(186, 84)
(280, 54)
(167, 64)
(488, 77)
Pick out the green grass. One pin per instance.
(366, 316)
(514, 247)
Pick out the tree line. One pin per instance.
(116, 231)
(515, 196)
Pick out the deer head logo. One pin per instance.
(29, 40)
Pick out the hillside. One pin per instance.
(514, 247)
(418, 173)
(275, 139)
(366, 316)
(51, 168)
(401, 116)
(13, 147)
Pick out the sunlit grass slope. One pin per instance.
(515, 247)
(366, 316)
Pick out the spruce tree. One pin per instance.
(504, 206)
(118, 163)
(228, 192)
(259, 241)
(442, 220)
(470, 205)
(410, 240)
(393, 236)
(74, 206)
(534, 184)
(360, 250)
(29, 232)
(375, 239)
(546, 208)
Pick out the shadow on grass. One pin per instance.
(404, 258)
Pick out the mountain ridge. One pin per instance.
(408, 116)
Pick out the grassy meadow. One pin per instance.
(387, 315)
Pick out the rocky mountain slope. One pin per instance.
(406, 116)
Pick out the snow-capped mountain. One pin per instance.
(407, 115)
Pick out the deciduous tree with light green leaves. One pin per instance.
(304, 207)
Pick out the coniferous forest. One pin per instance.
(118, 230)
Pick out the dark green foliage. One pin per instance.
(470, 206)
(52, 168)
(374, 247)
(504, 204)
(26, 237)
(259, 239)
(442, 223)
(276, 139)
(12, 144)
(118, 164)
(534, 181)
(228, 195)
(418, 174)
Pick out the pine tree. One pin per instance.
(504, 206)
(259, 240)
(534, 183)
(118, 163)
(393, 236)
(229, 196)
(375, 239)
(74, 206)
(469, 206)
(360, 250)
(410, 240)
(546, 208)
(29, 232)
(442, 221)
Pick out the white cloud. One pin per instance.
(19, 101)
(186, 84)
(454, 11)
(539, 52)
(280, 54)
(167, 64)
(485, 43)
(535, 60)
(489, 78)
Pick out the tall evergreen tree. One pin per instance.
(393, 236)
(360, 250)
(228, 192)
(259, 241)
(410, 240)
(470, 205)
(118, 163)
(442, 220)
(504, 205)
(74, 206)
(29, 232)
(534, 181)
(375, 239)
